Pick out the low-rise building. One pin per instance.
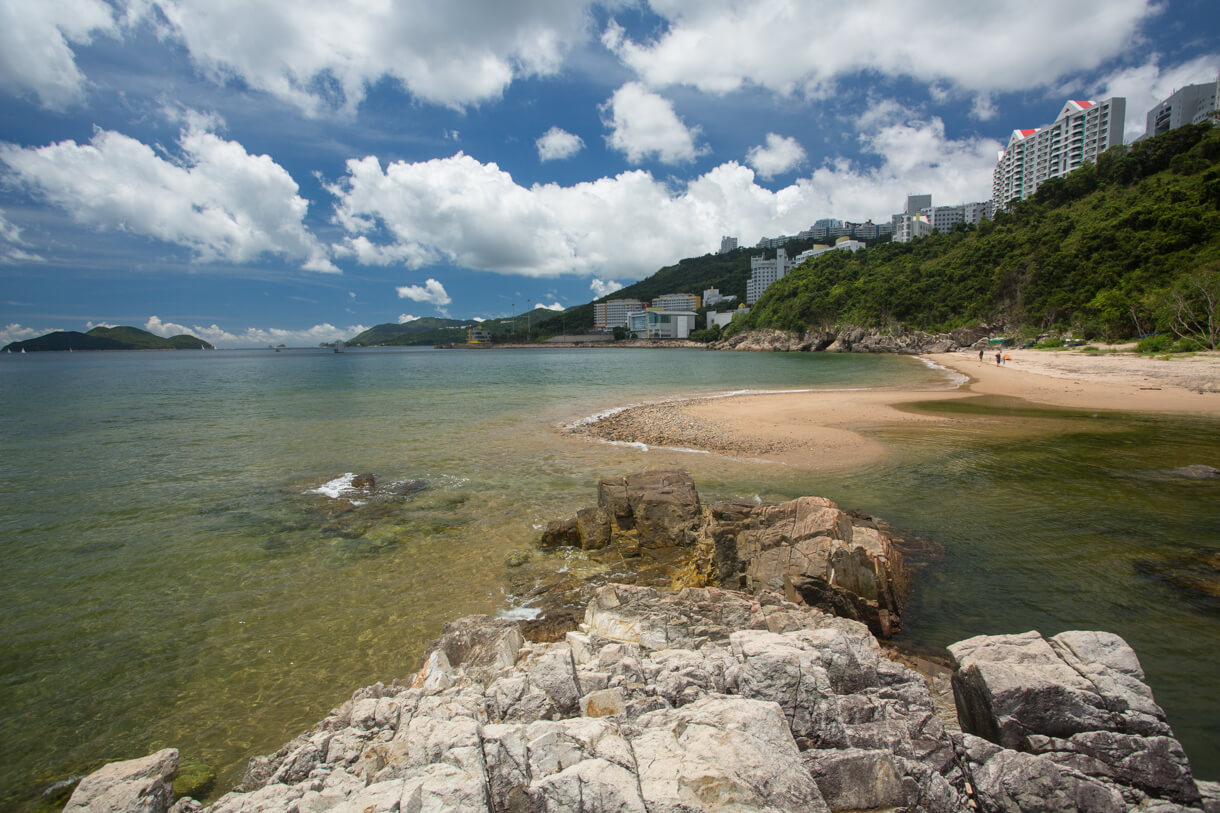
(676, 302)
(712, 296)
(614, 313)
(660, 324)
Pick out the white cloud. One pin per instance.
(14, 332)
(474, 215)
(604, 287)
(403, 318)
(12, 245)
(35, 55)
(431, 291)
(255, 336)
(643, 125)
(780, 155)
(556, 144)
(983, 107)
(217, 199)
(325, 54)
(554, 306)
(722, 45)
(1145, 86)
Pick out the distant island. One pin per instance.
(108, 338)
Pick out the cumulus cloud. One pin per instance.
(556, 144)
(604, 287)
(554, 306)
(722, 45)
(644, 125)
(217, 199)
(431, 291)
(35, 55)
(780, 155)
(1145, 86)
(14, 332)
(255, 336)
(403, 318)
(474, 215)
(324, 54)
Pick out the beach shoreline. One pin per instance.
(825, 429)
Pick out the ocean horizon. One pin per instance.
(183, 567)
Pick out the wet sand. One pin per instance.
(824, 430)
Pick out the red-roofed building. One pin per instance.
(1082, 131)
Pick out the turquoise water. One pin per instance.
(171, 579)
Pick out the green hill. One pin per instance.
(1115, 250)
(108, 338)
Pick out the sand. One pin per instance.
(835, 429)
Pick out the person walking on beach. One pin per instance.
(997, 359)
(980, 354)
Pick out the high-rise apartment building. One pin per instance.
(1082, 131)
(727, 244)
(1192, 104)
(763, 272)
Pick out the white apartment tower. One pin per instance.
(1082, 131)
(763, 272)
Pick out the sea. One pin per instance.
(182, 563)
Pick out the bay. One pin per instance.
(171, 576)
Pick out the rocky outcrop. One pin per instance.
(807, 549)
(143, 785)
(713, 700)
(849, 339)
(1066, 723)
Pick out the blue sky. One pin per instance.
(297, 170)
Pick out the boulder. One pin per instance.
(661, 506)
(1075, 719)
(143, 785)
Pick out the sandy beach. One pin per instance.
(829, 429)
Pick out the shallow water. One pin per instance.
(169, 579)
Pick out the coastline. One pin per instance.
(829, 429)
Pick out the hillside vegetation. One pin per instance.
(1119, 249)
(108, 338)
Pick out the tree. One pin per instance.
(1191, 308)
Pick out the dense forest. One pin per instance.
(1124, 248)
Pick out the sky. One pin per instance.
(261, 172)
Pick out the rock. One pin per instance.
(855, 779)
(143, 785)
(807, 549)
(1078, 708)
(722, 754)
(366, 482)
(852, 339)
(661, 506)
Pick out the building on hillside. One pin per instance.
(676, 302)
(477, 335)
(773, 242)
(842, 244)
(722, 318)
(920, 217)
(712, 296)
(763, 272)
(1193, 104)
(614, 313)
(909, 226)
(659, 324)
(727, 244)
(1082, 131)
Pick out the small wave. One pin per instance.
(336, 487)
(956, 379)
(519, 613)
